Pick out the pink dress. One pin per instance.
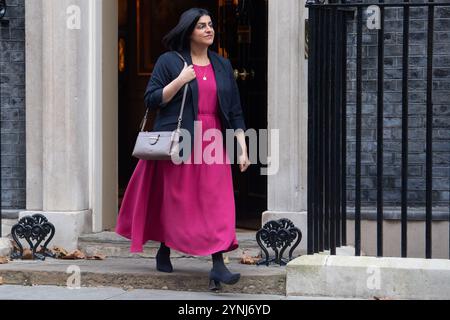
(189, 206)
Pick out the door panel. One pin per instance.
(245, 41)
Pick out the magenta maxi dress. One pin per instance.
(189, 206)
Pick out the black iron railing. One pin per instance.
(327, 123)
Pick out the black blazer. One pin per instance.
(167, 68)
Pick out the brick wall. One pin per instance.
(12, 101)
(393, 109)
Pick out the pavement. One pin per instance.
(14, 292)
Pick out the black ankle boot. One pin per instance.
(219, 273)
(163, 263)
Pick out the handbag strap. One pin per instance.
(180, 117)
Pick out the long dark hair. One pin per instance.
(178, 38)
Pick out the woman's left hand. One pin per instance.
(244, 162)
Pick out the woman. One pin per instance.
(190, 206)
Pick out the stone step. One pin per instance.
(369, 277)
(190, 274)
(115, 246)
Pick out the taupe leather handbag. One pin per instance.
(159, 145)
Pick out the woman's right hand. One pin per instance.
(187, 74)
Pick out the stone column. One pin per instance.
(288, 112)
(65, 98)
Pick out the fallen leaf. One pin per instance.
(97, 256)
(27, 254)
(3, 260)
(59, 252)
(1, 281)
(246, 259)
(74, 255)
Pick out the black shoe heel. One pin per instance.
(163, 266)
(214, 285)
(231, 278)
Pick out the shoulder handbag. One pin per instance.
(159, 145)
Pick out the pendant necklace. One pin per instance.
(204, 75)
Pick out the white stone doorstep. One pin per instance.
(368, 277)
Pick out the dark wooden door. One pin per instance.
(244, 35)
(241, 30)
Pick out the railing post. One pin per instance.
(429, 135)
(380, 128)
(405, 103)
(312, 136)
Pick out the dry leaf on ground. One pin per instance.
(59, 252)
(97, 256)
(41, 249)
(3, 260)
(247, 259)
(27, 254)
(74, 255)
(1, 280)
